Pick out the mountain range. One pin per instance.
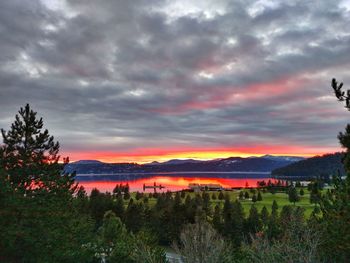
(265, 163)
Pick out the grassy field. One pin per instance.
(267, 200)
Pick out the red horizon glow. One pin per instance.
(145, 155)
(177, 183)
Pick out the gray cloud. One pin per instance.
(126, 75)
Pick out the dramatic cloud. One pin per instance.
(123, 80)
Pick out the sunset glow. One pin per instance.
(146, 156)
(177, 183)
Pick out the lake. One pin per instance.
(171, 181)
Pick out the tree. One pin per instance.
(217, 222)
(206, 202)
(340, 94)
(221, 195)
(301, 192)
(41, 220)
(237, 222)
(273, 224)
(336, 207)
(199, 242)
(29, 155)
(119, 207)
(253, 221)
(299, 243)
(254, 199)
(293, 195)
(264, 216)
(259, 197)
(113, 242)
(145, 249)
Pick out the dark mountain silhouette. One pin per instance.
(324, 165)
(232, 164)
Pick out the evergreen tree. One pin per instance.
(134, 216)
(301, 192)
(315, 195)
(274, 206)
(336, 208)
(40, 220)
(254, 199)
(113, 242)
(138, 195)
(221, 195)
(241, 195)
(217, 222)
(259, 197)
(253, 221)
(264, 216)
(273, 223)
(126, 195)
(227, 218)
(119, 207)
(206, 202)
(293, 195)
(237, 221)
(29, 156)
(246, 195)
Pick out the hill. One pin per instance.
(233, 164)
(324, 165)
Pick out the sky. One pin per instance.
(145, 80)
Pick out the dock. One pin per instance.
(154, 186)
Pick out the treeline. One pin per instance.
(318, 166)
(46, 217)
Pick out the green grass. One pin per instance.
(267, 200)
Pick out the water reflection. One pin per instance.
(173, 182)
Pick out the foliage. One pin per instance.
(40, 218)
(29, 156)
(335, 205)
(293, 195)
(199, 242)
(299, 243)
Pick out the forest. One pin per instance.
(45, 216)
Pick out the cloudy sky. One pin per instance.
(144, 80)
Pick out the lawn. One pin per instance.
(267, 200)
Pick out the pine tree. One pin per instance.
(336, 207)
(29, 155)
(119, 208)
(221, 195)
(217, 222)
(264, 216)
(273, 223)
(259, 197)
(41, 220)
(237, 222)
(253, 221)
(254, 199)
(293, 195)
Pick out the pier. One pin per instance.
(154, 186)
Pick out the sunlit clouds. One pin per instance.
(152, 80)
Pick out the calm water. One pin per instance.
(171, 181)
